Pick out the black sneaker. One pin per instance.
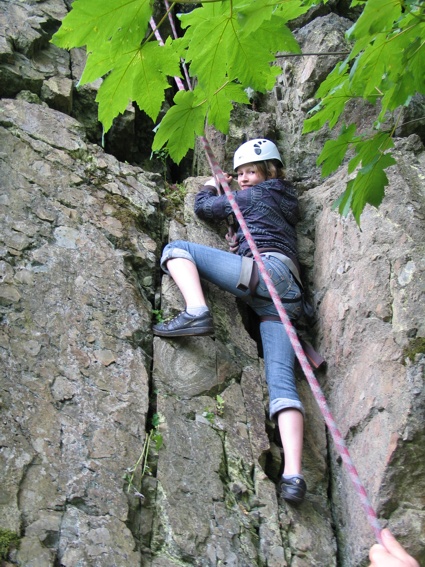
(293, 489)
(185, 325)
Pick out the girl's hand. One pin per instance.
(214, 183)
(228, 178)
(233, 242)
(392, 555)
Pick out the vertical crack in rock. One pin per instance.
(79, 243)
(215, 502)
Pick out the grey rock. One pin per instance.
(75, 387)
(81, 376)
(26, 57)
(58, 94)
(369, 286)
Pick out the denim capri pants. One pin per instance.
(223, 269)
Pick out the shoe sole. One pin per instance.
(292, 499)
(197, 332)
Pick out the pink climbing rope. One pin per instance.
(175, 35)
(289, 328)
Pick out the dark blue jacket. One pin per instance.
(270, 210)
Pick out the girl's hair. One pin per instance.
(270, 169)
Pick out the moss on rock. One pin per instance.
(8, 539)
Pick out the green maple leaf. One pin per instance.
(333, 81)
(291, 9)
(369, 184)
(329, 109)
(334, 150)
(369, 150)
(206, 58)
(396, 94)
(251, 14)
(92, 22)
(222, 103)
(182, 123)
(231, 52)
(334, 92)
(141, 76)
(413, 55)
(367, 187)
(250, 61)
(99, 63)
(370, 66)
(116, 91)
(157, 63)
(377, 16)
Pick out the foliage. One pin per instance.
(415, 347)
(8, 539)
(230, 47)
(175, 194)
(158, 315)
(219, 410)
(386, 65)
(219, 405)
(153, 442)
(210, 415)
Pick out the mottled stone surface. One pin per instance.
(369, 288)
(83, 382)
(216, 474)
(74, 379)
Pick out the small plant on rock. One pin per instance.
(153, 441)
(219, 410)
(158, 315)
(8, 539)
(219, 405)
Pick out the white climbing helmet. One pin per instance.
(259, 149)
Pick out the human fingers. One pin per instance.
(396, 549)
(380, 557)
(231, 238)
(392, 555)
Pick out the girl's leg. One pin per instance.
(291, 429)
(285, 405)
(279, 358)
(186, 262)
(216, 266)
(186, 276)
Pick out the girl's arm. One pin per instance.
(209, 205)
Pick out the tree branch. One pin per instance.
(318, 54)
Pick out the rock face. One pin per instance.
(75, 382)
(369, 289)
(215, 491)
(86, 390)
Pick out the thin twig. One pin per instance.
(318, 54)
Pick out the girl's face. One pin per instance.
(248, 176)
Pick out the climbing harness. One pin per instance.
(312, 380)
(289, 328)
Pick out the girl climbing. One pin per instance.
(270, 208)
